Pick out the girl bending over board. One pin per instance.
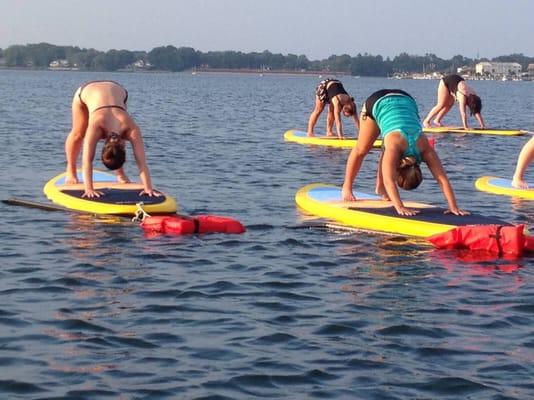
(450, 88)
(332, 92)
(526, 156)
(392, 114)
(99, 113)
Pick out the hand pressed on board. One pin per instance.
(456, 211)
(401, 210)
(91, 193)
(150, 193)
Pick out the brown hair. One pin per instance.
(474, 103)
(113, 154)
(350, 107)
(409, 174)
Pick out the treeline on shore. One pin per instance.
(171, 58)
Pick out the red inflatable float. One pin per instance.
(179, 225)
(494, 239)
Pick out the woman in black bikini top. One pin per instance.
(99, 113)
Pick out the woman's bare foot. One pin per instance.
(381, 191)
(122, 178)
(71, 179)
(437, 123)
(519, 184)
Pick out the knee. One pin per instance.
(76, 135)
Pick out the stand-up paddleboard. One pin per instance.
(118, 198)
(371, 213)
(492, 184)
(301, 137)
(477, 131)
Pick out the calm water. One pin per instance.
(90, 308)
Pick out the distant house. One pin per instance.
(141, 64)
(498, 68)
(59, 64)
(530, 72)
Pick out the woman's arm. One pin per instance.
(138, 146)
(89, 146)
(462, 106)
(436, 168)
(390, 165)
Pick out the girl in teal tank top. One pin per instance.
(392, 114)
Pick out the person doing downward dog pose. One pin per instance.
(526, 156)
(332, 92)
(450, 88)
(392, 114)
(99, 113)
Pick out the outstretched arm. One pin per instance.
(436, 168)
(89, 147)
(462, 106)
(390, 164)
(140, 158)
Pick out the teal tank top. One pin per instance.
(399, 113)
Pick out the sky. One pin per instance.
(315, 28)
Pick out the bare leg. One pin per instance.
(380, 188)
(369, 132)
(526, 156)
(443, 99)
(444, 111)
(319, 107)
(74, 141)
(330, 121)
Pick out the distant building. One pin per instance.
(530, 72)
(59, 64)
(496, 69)
(141, 64)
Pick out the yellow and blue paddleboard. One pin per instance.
(495, 185)
(478, 131)
(371, 213)
(118, 198)
(301, 137)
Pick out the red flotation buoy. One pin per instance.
(495, 239)
(179, 225)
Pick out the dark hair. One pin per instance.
(113, 154)
(350, 107)
(474, 103)
(409, 174)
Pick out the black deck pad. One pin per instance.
(119, 196)
(436, 215)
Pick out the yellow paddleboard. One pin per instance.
(296, 136)
(477, 131)
(492, 184)
(118, 198)
(371, 213)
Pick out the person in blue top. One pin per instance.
(392, 115)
